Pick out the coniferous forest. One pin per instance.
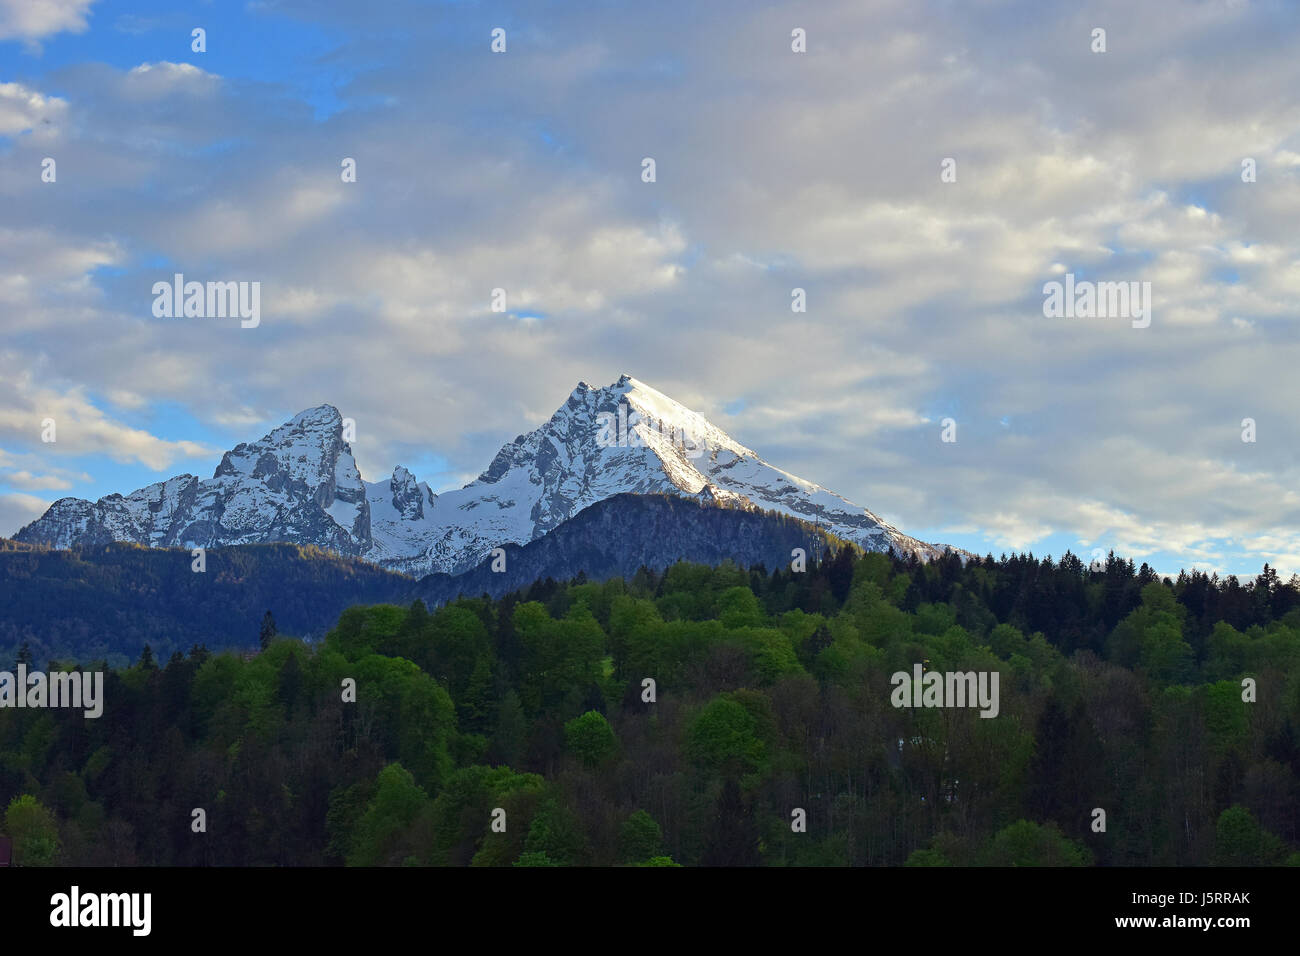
(686, 718)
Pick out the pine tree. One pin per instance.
(267, 633)
(840, 574)
(817, 642)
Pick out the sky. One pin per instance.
(774, 170)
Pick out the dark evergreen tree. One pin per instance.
(840, 574)
(817, 642)
(266, 633)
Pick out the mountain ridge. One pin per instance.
(300, 483)
(94, 601)
(619, 535)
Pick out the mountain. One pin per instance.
(109, 600)
(618, 536)
(300, 484)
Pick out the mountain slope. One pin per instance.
(617, 536)
(300, 484)
(109, 600)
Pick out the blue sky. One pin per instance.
(126, 33)
(775, 170)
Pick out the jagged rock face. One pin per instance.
(630, 438)
(300, 484)
(408, 497)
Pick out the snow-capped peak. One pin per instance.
(300, 483)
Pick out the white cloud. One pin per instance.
(154, 80)
(23, 110)
(80, 428)
(33, 20)
(17, 510)
(774, 171)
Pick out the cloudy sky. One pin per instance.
(774, 170)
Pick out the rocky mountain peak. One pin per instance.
(300, 483)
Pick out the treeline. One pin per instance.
(704, 716)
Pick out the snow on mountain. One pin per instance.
(300, 483)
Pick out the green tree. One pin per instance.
(562, 659)
(458, 644)
(1225, 716)
(591, 739)
(1027, 844)
(416, 717)
(1239, 840)
(1151, 637)
(382, 833)
(639, 838)
(346, 807)
(463, 811)
(738, 607)
(723, 739)
(556, 832)
(34, 831)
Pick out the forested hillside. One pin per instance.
(107, 601)
(1119, 692)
